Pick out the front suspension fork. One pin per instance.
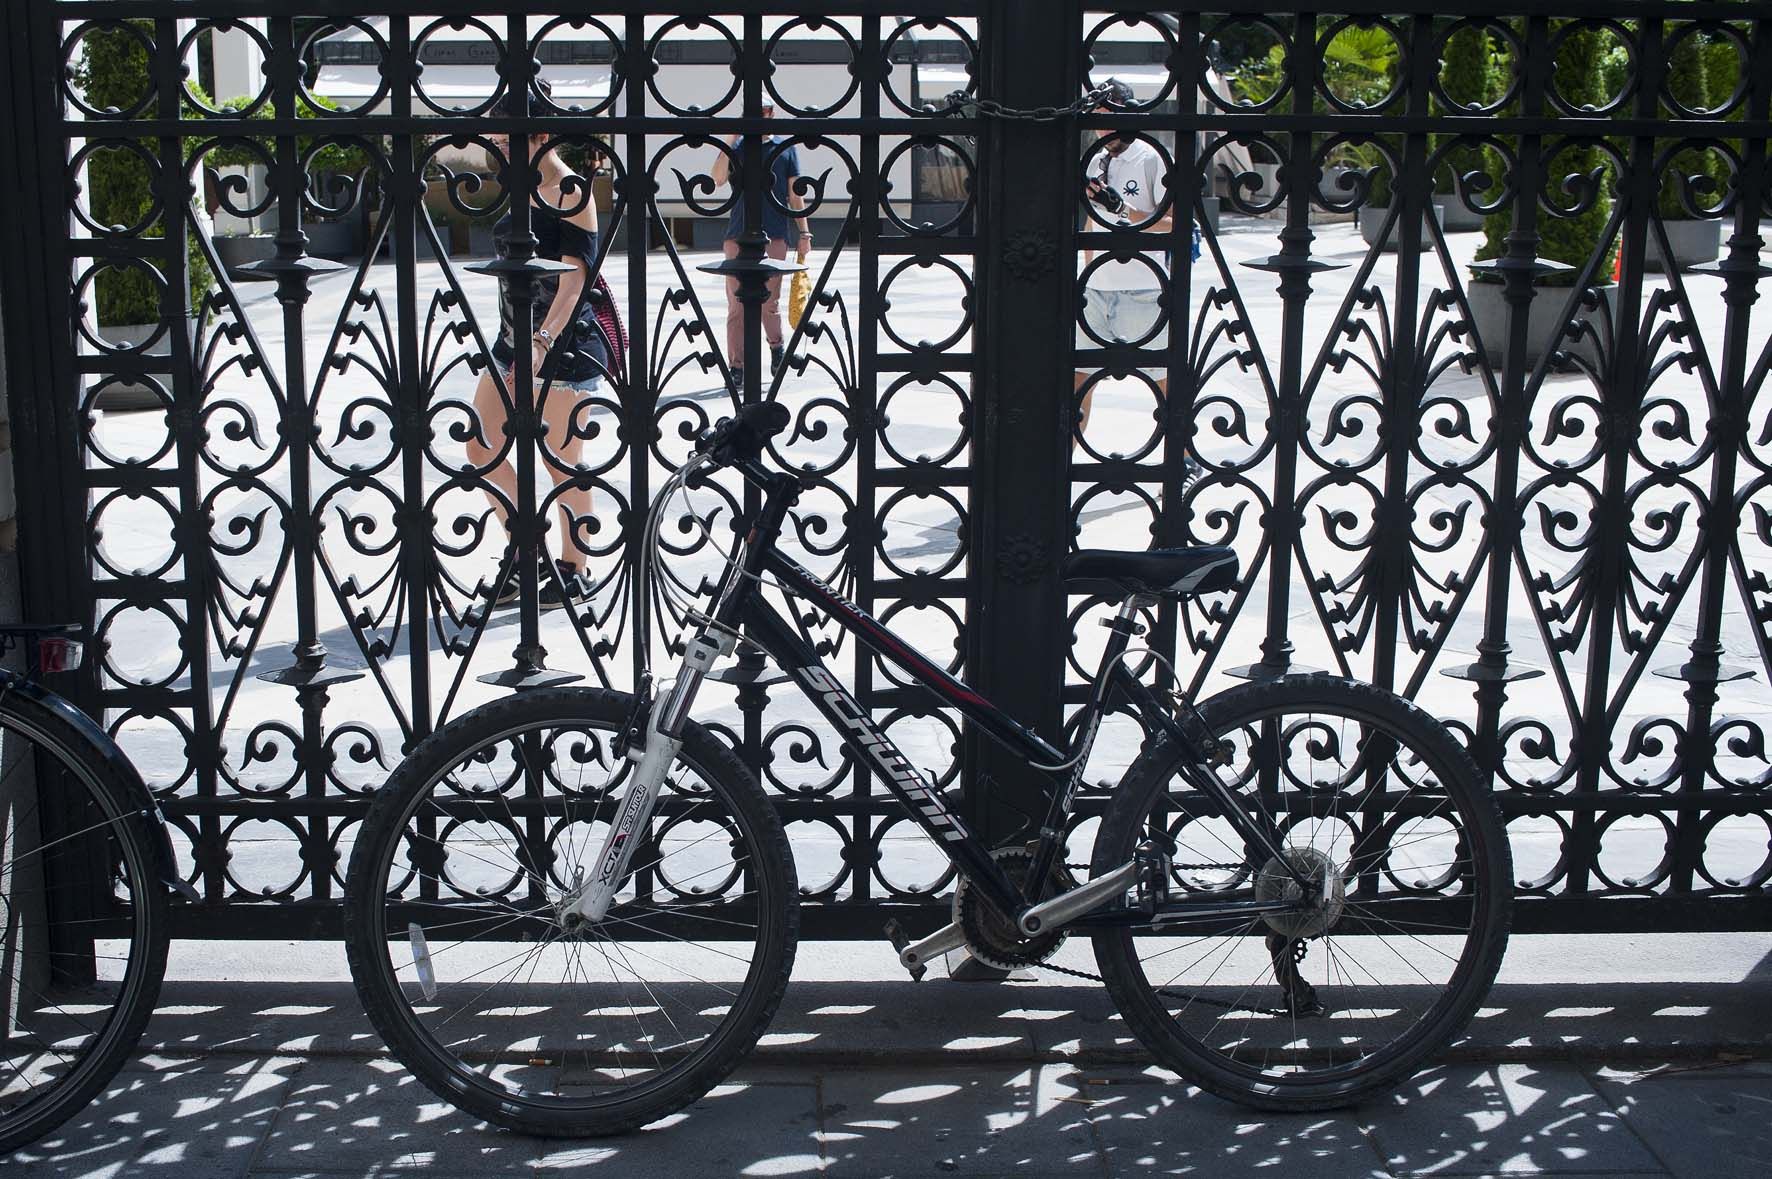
(663, 739)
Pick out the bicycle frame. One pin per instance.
(741, 613)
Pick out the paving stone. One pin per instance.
(194, 1119)
(747, 1126)
(883, 1123)
(1151, 1123)
(1704, 1123)
(362, 1115)
(1510, 1118)
(939, 1022)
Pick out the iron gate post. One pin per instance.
(1017, 633)
(42, 389)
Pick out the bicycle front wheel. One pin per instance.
(527, 1017)
(1384, 950)
(82, 914)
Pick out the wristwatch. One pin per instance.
(544, 337)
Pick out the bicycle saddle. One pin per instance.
(1164, 572)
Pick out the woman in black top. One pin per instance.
(567, 354)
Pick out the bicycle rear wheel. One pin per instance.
(1389, 949)
(519, 1013)
(82, 914)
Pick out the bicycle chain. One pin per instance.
(959, 101)
(1190, 996)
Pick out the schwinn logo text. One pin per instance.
(896, 769)
(630, 819)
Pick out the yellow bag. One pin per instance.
(799, 291)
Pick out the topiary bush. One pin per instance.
(1690, 83)
(1468, 75)
(113, 72)
(1572, 240)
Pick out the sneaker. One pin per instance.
(777, 359)
(570, 589)
(511, 592)
(1192, 471)
(735, 382)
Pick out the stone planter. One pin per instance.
(121, 394)
(1692, 241)
(1329, 189)
(236, 250)
(331, 239)
(1270, 181)
(480, 240)
(1211, 205)
(1372, 222)
(1544, 321)
(1457, 218)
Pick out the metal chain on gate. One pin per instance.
(971, 106)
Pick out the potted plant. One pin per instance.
(237, 240)
(1376, 209)
(113, 72)
(1569, 240)
(1693, 240)
(327, 237)
(1467, 73)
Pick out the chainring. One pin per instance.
(993, 938)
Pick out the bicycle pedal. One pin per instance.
(900, 939)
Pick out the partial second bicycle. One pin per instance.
(573, 911)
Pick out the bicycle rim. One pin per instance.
(1397, 926)
(505, 997)
(79, 966)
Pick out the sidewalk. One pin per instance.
(867, 1075)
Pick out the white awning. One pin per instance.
(1147, 80)
(460, 85)
(947, 75)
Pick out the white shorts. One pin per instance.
(1122, 316)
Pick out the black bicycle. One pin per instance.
(85, 868)
(573, 911)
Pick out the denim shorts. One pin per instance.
(581, 380)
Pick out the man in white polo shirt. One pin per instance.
(1125, 184)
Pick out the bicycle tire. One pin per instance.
(114, 798)
(418, 1037)
(1483, 885)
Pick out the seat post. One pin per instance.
(1125, 626)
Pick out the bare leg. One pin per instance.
(567, 450)
(489, 408)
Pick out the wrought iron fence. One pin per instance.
(295, 558)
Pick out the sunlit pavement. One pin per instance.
(1602, 1055)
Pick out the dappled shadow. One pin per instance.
(839, 1023)
(883, 1078)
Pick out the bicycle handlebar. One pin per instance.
(740, 439)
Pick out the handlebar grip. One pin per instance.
(744, 434)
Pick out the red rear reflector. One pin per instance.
(59, 654)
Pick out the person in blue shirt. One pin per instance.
(782, 229)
